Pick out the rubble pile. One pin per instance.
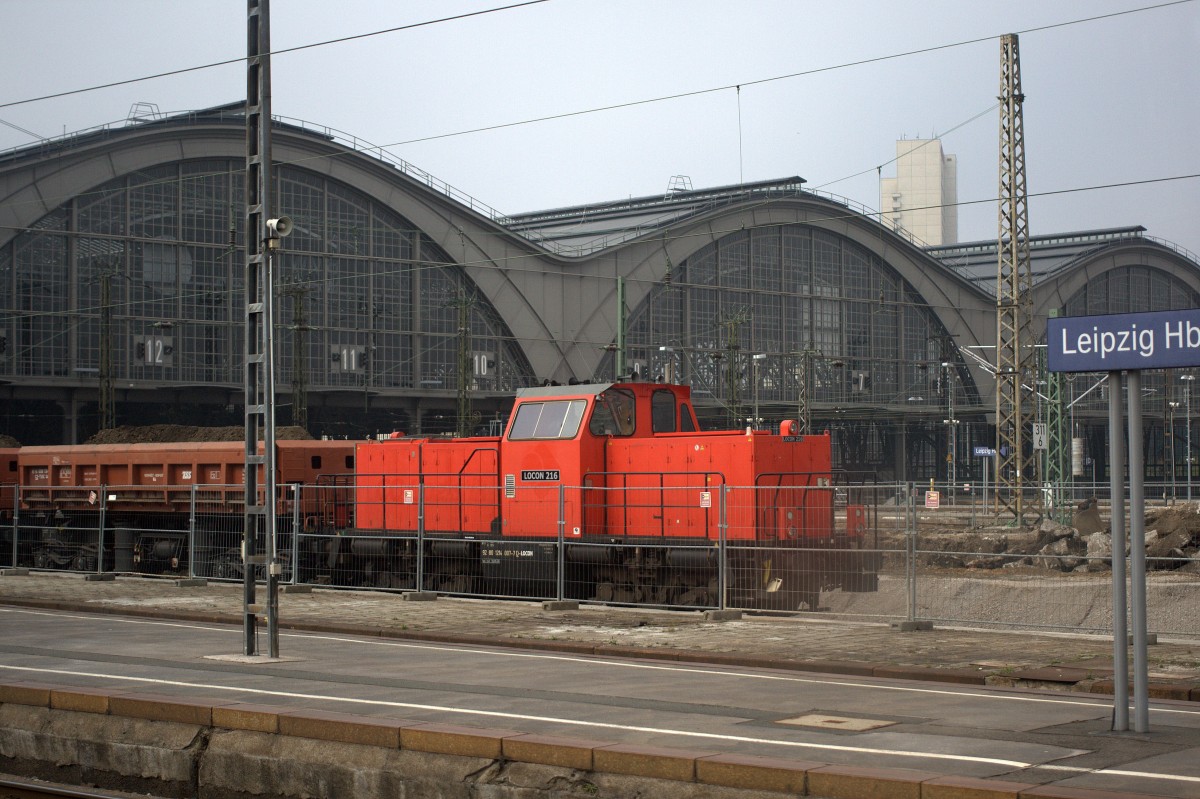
(1172, 543)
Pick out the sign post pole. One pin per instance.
(1114, 344)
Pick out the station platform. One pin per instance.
(1066, 677)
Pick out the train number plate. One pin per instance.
(540, 475)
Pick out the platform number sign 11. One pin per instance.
(348, 359)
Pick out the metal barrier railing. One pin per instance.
(880, 555)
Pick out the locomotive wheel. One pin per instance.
(226, 569)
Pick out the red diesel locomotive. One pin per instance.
(644, 504)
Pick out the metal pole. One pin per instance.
(16, 524)
(192, 531)
(986, 462)
(297, 526)
(258, 381)
(420, 537)
(911, 553)
(562, 528)
(100, 530)
(1116, 482)
(1187, 399)
(722, 549)
(1171, 436)
(1137, 556)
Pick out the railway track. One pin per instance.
(17, 788)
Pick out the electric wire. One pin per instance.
(737, 87)
(297, 48)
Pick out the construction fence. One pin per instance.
(876, 553)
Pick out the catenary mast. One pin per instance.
(1015, 406)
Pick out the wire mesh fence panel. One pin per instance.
(655, 574)
(521, 558)
(1012, 592)
(1034, 592)
(646, 539)
(9, 520)
(360, 533)
(787, 544)
(218, 531)
(357, 559)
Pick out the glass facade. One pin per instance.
(832, 321)
(154, 260)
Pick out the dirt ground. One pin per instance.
(166, 433)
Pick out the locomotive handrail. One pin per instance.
(461, 505)
(779, 486)
(475, 452)
(660, 488)
(419, 482)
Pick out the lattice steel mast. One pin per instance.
(259, 379)
(1014, 300)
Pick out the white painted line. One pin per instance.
(1017, 764)
(526, 717)
(1100, 704)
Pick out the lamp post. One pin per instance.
(756, 360)
(669, 370)
(1172, 405)
(952, 425)
(1187, 412)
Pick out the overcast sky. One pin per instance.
(1110, 101)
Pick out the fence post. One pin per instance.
(562, 530)
(192, 531)
(297, 526)
(100, 531)
(911, 552)
(421, 537)
(722, 550)
(16, 523)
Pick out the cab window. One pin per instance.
(662, 412)
(547, 420)
(613, 414)
(685, 415)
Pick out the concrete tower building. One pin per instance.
(922, 197)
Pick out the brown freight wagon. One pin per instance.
(143, 506)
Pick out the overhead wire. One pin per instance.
(282, 51)
(737, 87)
(598, 109)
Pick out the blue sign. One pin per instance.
(1118, 342)
(985, 452)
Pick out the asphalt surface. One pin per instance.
(792, 687)
(807, 642)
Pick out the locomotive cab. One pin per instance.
(560, 435)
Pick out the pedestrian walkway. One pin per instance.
(796, 642)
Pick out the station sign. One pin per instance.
(1123, 342)
(985, 452)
